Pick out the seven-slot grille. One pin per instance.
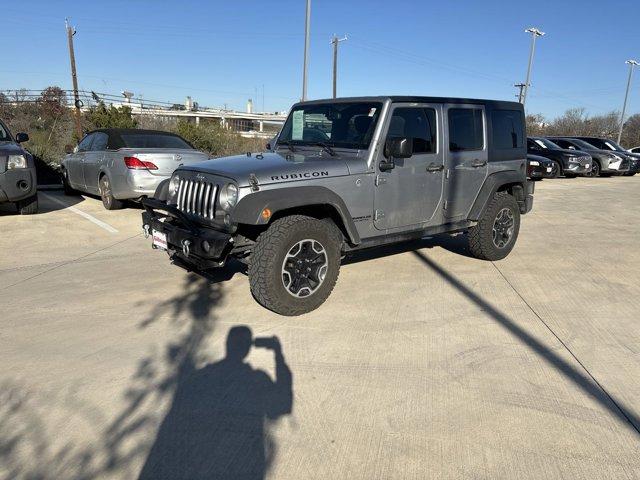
(197, 197)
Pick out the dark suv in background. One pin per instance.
(605, 162)
(17, 173)
(607, 144)
(567, 162)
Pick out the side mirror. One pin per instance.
(22, 137)
(68, 149)
(399, 147)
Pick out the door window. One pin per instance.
(466, 131)
(85, 144)
(418, 124)
(99, 142)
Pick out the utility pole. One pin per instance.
(631, 63)
(76, 99)
(535, 33)
(335, 41)
(520, 87)
(305, 63)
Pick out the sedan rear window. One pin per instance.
(153, 140)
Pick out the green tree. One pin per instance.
(102, 116)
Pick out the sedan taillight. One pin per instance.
(134, 163)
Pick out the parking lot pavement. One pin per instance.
(421, 364)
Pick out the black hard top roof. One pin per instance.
(420, 99)
(138, 131)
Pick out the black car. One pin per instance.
(567, 162)
(607, 144)
(605, 162)
(540, 167)
(17, 173)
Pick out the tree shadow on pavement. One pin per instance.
(579, 376)
(218, 419)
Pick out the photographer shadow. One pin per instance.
(218, 424)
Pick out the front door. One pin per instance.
(75, 169)
(92, 161)
(410, 194)
(467, 158)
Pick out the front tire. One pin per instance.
(496, 233)
(556, 170)
(294, 264)
(28, 206)
(68, 190)
(595, 170)
(106, 194)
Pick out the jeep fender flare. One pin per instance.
(250, 207)
(162, 190)
(492, 184)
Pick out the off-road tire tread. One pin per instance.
(480, 236)
(268, 246)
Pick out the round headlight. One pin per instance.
(229, 196)
(174, 183)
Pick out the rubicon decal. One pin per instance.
(298, 176)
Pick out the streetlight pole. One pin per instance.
(631, 63)
(535, 33)
(307, 26)
(335, 41)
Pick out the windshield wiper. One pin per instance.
(325, 147)
(287, 144)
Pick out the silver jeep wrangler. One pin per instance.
(344, 175)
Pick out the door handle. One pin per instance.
(432, 167)
(478, 163)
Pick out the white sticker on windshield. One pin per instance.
(372, 112)
(297, 125)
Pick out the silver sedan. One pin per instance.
(123, 164)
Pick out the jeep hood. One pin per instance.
(272, 167)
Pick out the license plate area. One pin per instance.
(159, 240)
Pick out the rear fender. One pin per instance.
(510, 180)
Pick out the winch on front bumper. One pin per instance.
(185, 239)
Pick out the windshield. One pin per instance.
(611, 145)
(582, 144)
(154, 140)
(544, 143)
(4, 133)
(342, 125)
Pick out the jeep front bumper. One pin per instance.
(186, 240)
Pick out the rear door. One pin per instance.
(467, 157)
(76, 160)
(410, 194)
(93, 160)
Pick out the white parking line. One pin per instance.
(91, 218)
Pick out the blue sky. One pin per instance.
(222, 52)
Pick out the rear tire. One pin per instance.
(294, 264)
(106, 194)
(28, 206)
(496, 233)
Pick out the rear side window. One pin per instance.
(466, 130)
(418, 124)
(507, 129)
(153, 140)
(99, 142)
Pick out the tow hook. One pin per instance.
(145, 230)
(185, 247)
